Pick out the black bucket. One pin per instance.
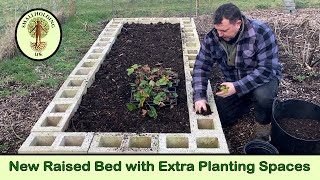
(259, 147)
(285, 142)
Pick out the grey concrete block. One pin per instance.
(106, 143)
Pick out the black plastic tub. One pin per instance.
(287, 143)
(259, 147)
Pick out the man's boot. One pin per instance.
(262, 132)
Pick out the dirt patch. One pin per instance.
(18, 115)
(137, 44)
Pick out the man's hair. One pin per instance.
(228, 11)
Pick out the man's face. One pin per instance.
(226, 30)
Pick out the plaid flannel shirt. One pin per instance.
(256, 61)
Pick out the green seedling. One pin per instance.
(150, 85)
(299, 78)
(223, 88)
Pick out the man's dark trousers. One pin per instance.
(232, 107)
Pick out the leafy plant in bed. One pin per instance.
(152, 87)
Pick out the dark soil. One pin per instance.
(308, 129)
(103, 108)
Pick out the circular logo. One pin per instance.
(38, 34)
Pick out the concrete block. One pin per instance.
(73, 143)
(106, 143)
(70, 95)
(162, 20)
(114, 25)
(174, 20)
(119, 20)
(61, 108)
(210, 143)
(38, 143)
(75, 83)
(131, 20)
(107, 34)
(141, 143)
(51, 123)
(176, 143)
(57, 143)
(192, 51)
(85, 72)
(191, 64)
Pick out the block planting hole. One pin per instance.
(192, 57)
(88, 64)
(110, 30)
(191, 39)
(68, 94)
(105, 39)
(43, 141)
(189, 34)
(83, 71)
(52, 121)
(207, 142)
(108, 34)
(191, 71)
(205, 124)
(191, 64)
(101, 44)
(192, 52)
(72, 141)
(114, 25)
(117, 20)
(94, 56)
(75, 83)
(110, 141)
(59, 108)
(177, 142)
(191, 44)
(140, 142)
(97, 50)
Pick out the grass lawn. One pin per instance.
(78, 34)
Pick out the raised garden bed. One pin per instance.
(102, 71)
(103, 107)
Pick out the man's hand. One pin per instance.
(199, 105)
(231, 90)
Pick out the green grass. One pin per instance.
(306, 4)
(89, 13)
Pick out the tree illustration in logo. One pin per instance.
(38, 28)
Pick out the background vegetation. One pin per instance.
(81, 29)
